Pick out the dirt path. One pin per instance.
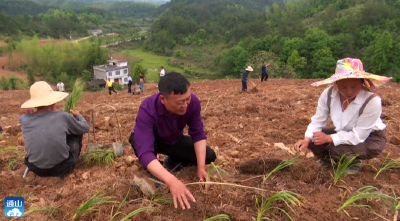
(241, 127)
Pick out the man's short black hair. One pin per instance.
(173, 83)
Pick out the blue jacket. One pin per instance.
(245, 75)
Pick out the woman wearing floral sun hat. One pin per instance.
(355, 111)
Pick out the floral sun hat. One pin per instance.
(353, 68)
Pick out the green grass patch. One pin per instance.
(99, 157)
(97, 199)
(152, 63)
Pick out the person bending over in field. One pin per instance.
(53, 139)
(159, 129)
(355, 110)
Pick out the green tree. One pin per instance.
(382, 53)
(234, 61)
(298, 63)
(86, 76)
(137, 69)
(31, 76)
(324, 63)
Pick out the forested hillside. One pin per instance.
(28, 18)
(302, 38)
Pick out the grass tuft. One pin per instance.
(120, 206)
(99, 157)
(366, 192)
(74, 97)
(142, 209)
(344, 163)
(97, 199)
(392, 164)
(289, 198)
(283, 164)
(218, 217)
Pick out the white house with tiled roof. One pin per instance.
(116, 70)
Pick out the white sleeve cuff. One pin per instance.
(335, 139)
(310, 135)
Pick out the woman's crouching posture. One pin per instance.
(355, 111)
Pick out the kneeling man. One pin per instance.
(159, 129)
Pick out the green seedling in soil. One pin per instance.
(341, 167)
(366, 192)
(142, 209)
(74, 97)
(164, 199)
(99, 157)
(97, 199)
(218, 217)
(289, 198)
(7, 148)
(393, 203)
(120, 206)
(50, 210)
(13, 160)
(283, 164)
(217, 169)
(392, 164)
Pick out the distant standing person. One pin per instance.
(162, 73)
(60, 86)
(264, 74)
(245, 77)
(129, 84)
(136, 89)
(110, 85)
(141, 82)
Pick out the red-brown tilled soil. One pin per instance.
(241, 127)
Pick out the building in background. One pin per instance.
(116, 70)
(96, 31)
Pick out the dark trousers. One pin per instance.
(264, 77)
(111, 89)
(75, 144)
(183, 152)
(129, 87)
(244, 86)
(370, 148)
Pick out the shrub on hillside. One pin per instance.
(118, 87)
(95, 88)
(4, 84)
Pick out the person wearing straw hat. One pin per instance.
(245, 77)
(53, 139)
(355, 111)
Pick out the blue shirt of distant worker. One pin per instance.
(245, 77)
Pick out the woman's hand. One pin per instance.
(322, 138)
(301, 144)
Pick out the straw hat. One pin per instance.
(249, 68)
(353, 68)
(43, 95)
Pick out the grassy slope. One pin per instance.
(152, 63)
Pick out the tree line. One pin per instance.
(303, 38)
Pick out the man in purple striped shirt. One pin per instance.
(159, 129)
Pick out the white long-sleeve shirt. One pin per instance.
(351, 128)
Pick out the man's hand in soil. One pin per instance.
(202, 174)
(180, 193)
(322, 138)
(178, 190)
(301, 144)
